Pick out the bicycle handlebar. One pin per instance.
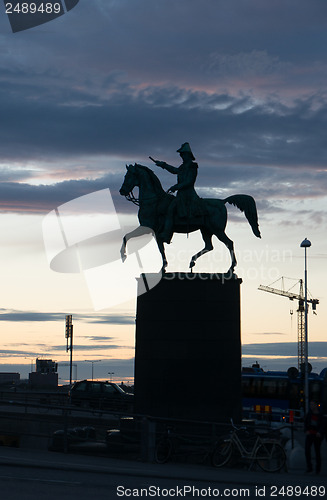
(237, 428)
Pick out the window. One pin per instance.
(81, 387)
(109, 389)
(269, 388)
(95, 387)
(282, 388)
(315, 391)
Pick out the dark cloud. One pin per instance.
(244, 83)
(173, 38)
(316, 349)
(268, 185)
(16, 353)
(96, 344)
(122, 319)
(243, 133)
(22, 316)
(14, 174)
(32, 316)
(90, 347)
(169, 40)
(98, 338)
(23, 197)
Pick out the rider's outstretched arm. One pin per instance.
(170, 168)
(165, 166)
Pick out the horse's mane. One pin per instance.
(154, 179)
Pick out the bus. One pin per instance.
(276, 392)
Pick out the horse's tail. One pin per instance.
(247, 205)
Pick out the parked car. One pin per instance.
(102, 395)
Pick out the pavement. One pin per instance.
(294, 473)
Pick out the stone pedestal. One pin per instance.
(188, 348)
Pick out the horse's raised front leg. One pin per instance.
(221, 235)
(139, 231)
(208, 246)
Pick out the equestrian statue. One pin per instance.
(164, 214)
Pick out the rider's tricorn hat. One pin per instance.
(185, 148)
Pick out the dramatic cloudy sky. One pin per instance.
(113, 82)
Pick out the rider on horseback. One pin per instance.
(187, 204)
(154, 202)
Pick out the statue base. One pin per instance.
(188, 348)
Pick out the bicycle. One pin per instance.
(266, 452)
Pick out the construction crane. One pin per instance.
(300, 312)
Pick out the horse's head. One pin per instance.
(130, 180)
(147, 182)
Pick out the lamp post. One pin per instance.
(110, 375)
(306, 244)
(92, 361)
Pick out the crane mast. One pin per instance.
(300, 314)
(301, 329)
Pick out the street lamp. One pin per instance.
(110, 375)
(92, 361)
(306, 244)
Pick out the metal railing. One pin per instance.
(66, 427)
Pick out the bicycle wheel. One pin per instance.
(270, 456)
(222, 453)
(163, 451)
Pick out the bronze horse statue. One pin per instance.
(153, 204)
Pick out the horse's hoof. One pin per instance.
(230, 273)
